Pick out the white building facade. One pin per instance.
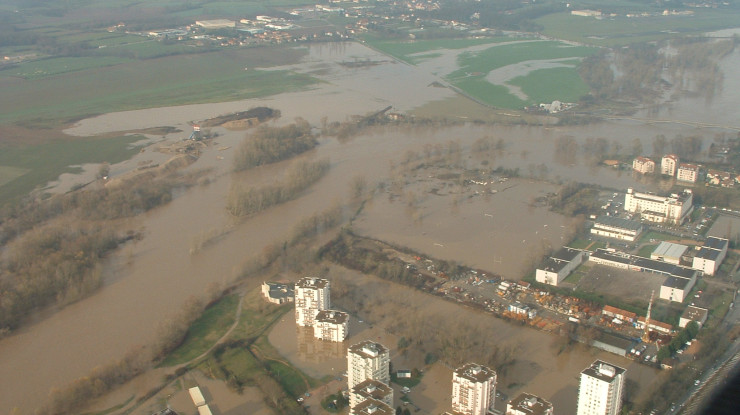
(687, 172)
(668, 164)
(673, 208)
(643, 165)
(600, 390)
(368, 360)
(331, 325)
(311, 296)
(473, 389)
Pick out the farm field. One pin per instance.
(622, 31)
(24, 168)
(510, 73)
(174, 80)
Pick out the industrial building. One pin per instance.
(617, 228)
(711, 255)
(693, 313)
(600, 390)
(559, 265)
(669, 252)
(473, 389)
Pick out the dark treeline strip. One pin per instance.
(246, 202)
(272, 144)
(54, 246)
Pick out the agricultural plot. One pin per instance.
(174, 80)
(502, 72)
(619, 31)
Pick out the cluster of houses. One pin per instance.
(670, 165)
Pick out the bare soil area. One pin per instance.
(631, 286)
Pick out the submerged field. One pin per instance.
(504, 72)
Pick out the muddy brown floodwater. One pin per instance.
(540, 368)
(149, 280)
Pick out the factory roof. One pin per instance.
(619, 223)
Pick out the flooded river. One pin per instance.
(149, 280)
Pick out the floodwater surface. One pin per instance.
(149, 280)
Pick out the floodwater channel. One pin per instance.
(149, 280)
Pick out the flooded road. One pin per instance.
(147, 281)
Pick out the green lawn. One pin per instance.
(646, 250)
(205, 331)
(580, 243)
(547, 85)
(174, 80)
(36, 165)
(624, 31)
(646, 237)
(44, 68)
(403, 49)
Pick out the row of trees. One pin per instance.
(272, 144)
(246, 202)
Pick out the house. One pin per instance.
(278, 293)
(643, 165)
(654, 325)
(618, 313)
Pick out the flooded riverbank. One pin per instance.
(147, 281)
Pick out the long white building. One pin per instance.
(560, 264)
(674, 208)
(600, 390)
(368, 360)
(331, 325)
(473, 389)
(311, 296)
(617, 228)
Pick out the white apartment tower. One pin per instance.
(668, 164)
(601, 389)
(368, 360)
(331, 325)
(311, 296)
(473, 389)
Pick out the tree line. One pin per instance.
(272, 144)
(243, 202)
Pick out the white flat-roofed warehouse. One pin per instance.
(558, 266)
(669, 252)
(215, 24)
(693, 313)
(617, 228)
(711, 255)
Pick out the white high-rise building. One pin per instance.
(668, 164)
(311, 296)
(601, 389)
(473, 389)
(368, 360)
(331, 325)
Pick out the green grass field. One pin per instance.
(36, 165)
(175, 80)
(403, 49)
(624, 31)
(44, 68)
(205, 331)
(547, 85)
(646, 250)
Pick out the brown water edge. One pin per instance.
(538, 368)
(500, 232)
